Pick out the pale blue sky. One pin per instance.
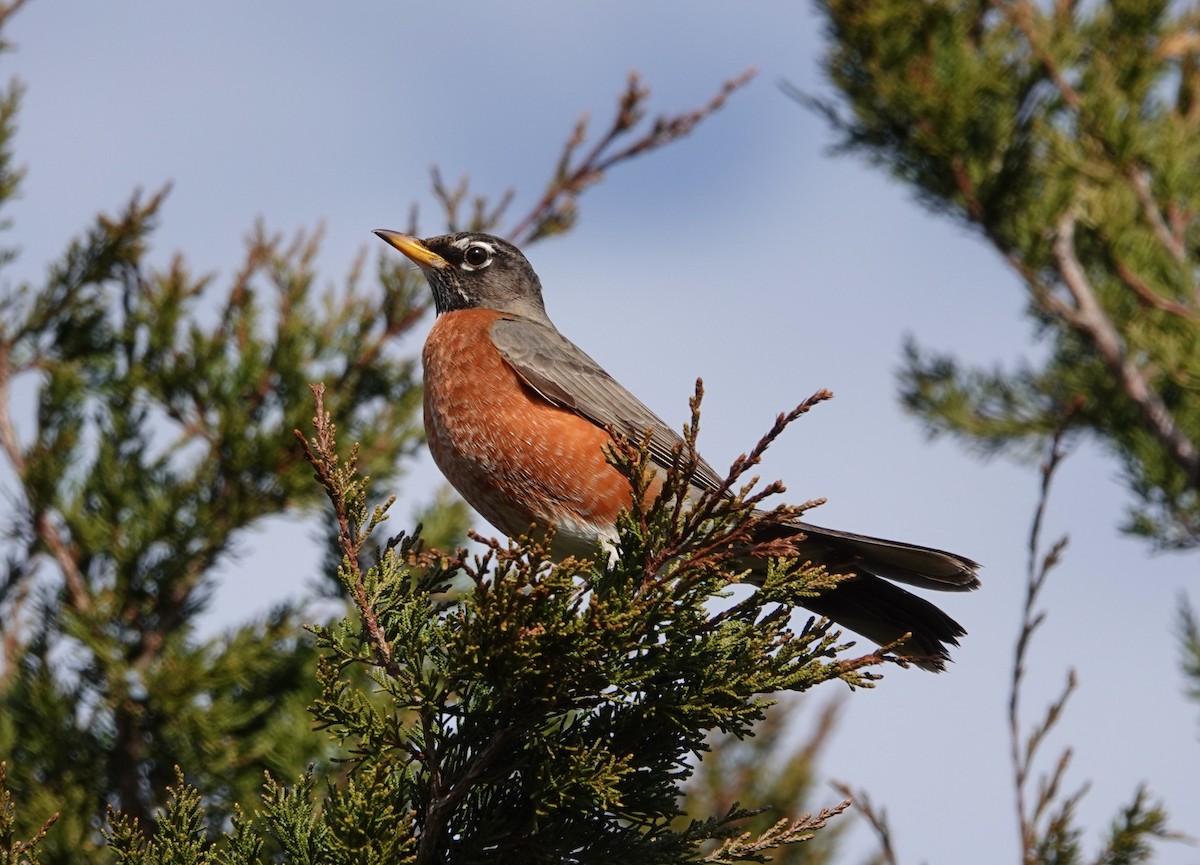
(780, 268)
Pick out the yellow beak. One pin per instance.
(413, 248)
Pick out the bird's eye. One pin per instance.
(476, 255)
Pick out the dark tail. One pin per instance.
(879, 610)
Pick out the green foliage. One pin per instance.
(158, 439)
(179, 837)
(553, 712)
(1067, 136)
(347, 827)
(12, 850)
(773, 773)
(1132, 830)
(1126, 843)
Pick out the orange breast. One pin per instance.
(516, 458)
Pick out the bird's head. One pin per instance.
(471, 270)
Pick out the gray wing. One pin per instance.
(562, 373)
(877, 609)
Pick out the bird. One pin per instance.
(517, 417)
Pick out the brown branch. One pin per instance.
(1089, 318)
(482, 217)
(7, 9)
(1178, 45)
(706, 507)
(43, 527)
(12, 629)
(1180, 219)
(1139, 179)
(445, 797)
(745, 462)
(8, 433)
(967, 189)
(1151, 297)
(572, 177)
(64, 556)
(1021, 14)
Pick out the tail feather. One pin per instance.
(884, 613)
(923, 567)
(879, 610)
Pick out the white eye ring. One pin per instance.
(477, 254)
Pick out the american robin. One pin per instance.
(517, 418)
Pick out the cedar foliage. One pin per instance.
(1067, 136)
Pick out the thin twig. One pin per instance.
(321, 454)
(1023, 750)
(1151, 297)
(876, 818)
(744, 462)
(445, 797)
(1021, 14)
(43, 526)
(572, 177)
(64, 555)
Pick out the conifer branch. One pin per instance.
(712, 501)
(1023, 14)
(42, 523)
(1139, 179)
(575, 172)
(1024, 748)
(345, 494)
(555, 210)
(562, 696)
(1088, 316)
(1152, 298)
(12, 850)
(748, 847)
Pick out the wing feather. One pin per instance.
(567, 377)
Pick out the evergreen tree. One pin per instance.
(1066, 136)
